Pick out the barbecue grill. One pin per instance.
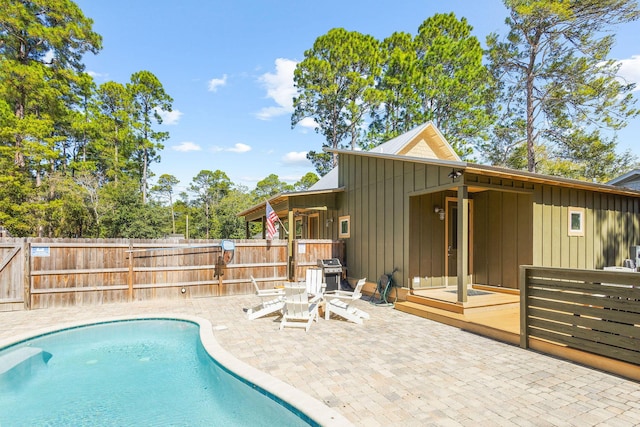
(331, 273)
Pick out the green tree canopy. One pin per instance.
(165, 189)
(270, 186)
(149, 98)
(559, 88)
(335, 83)
(306, 181)
(209, 188)
(453, 86)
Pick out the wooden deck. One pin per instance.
(494, 313)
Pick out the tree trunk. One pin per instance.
(173, 215)
(533, 54)
(145, 161)
(531, 155)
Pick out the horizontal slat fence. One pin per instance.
(41, 273)
(595, 311)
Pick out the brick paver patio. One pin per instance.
(396, 369)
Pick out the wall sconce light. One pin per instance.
(441, 213)
(454, 174)
(328, 221)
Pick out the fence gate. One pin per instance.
(11, 276)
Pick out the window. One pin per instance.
(298, 228)
(345, 227)
(576, 222)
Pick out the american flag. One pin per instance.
(272, 217)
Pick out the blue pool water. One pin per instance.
(130, 373)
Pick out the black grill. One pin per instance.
(331, 273)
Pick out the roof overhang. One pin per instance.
(627, 177)
(500, 172)
(284, 197)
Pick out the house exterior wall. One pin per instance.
(392, 224)
(427, 240)
(612, 224)
(502, 240)
(376, 198)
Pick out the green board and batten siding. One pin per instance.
(611, 222)
(390, 203)
(502, 236)
(377, 200)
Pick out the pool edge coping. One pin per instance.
(313, 408)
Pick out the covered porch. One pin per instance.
(466, 241)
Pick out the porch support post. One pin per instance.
(290, 236)
(463, 242)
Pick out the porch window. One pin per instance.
(576, 222)
(298, 228)
(345, 227)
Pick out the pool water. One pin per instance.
(131, 373)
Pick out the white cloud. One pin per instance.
(48, 57)
(280, 89)
(214, 84)
(186, 146)
(295, 157)
(630, 70)
(169, 117)
(308, 123)
(237, 148)
(98, 76)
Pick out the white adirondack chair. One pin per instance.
(272, 301)
(298, 310)
(340, 304)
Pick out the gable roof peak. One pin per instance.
(423, 141)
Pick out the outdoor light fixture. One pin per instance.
(440, 212)
(455, 174)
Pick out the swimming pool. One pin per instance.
(133, 372)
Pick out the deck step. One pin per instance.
(432, 313)
(436, 303)
(477, 324)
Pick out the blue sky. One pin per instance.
(228, 65)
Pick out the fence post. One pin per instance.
(524, 290)
(130, 276)
(26, 273)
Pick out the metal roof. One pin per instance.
(629, 176)
(500, 172)
(327, 182)
(427, 133)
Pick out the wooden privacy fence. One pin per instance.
(38, 273)
(594, 311)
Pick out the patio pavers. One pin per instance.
(396, 369)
